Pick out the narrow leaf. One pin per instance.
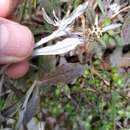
(29, 106)
(32, 106)
(101, 6)
(52, 36)
(111, 27)
(47, 18)
(61, 47)
(76, 13)
(65, 73)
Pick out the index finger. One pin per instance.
(7, 7)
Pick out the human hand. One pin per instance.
(16, 41)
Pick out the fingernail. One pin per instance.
(9, 59)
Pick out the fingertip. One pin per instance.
(17, 70)
(7, 6)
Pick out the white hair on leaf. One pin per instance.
(60, 47)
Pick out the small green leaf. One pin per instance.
(2, 102)
(67, 90)
(76, 3)
(106, 22)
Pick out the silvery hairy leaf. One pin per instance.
(53, 36)
(60, 47)
(76, 13)
(111, 27)
(47, 18)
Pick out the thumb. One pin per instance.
(16, 42)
